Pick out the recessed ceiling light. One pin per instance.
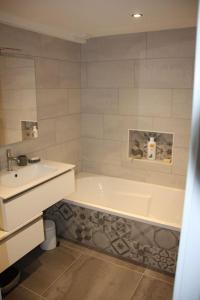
(136, 15)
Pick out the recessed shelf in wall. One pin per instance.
(137, 145)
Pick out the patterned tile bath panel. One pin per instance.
(151, 246)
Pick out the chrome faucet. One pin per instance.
(10, 159)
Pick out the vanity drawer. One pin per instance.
(21, 209)
(21, 242)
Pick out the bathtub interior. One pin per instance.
(153, 203)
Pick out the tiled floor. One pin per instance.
(73, 272)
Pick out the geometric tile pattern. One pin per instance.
(138, 144)
(149, 245)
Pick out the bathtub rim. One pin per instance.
(147, 220)
(150, 221)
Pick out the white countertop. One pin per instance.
(7, 192)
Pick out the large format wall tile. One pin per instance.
(66, 152)
(57, 48)
(28, 42)
(171, 43)
(92, 125)
(164, 73)
(155, 96)
(145, 102)
(110, 74)
(74, 100)
(57, 65)
(127, 46)
(103, 101)
(47, 73)
(51, 73)
(101, 150)
(69, 75)
(52, 103)
(182, 103)
(67, 128)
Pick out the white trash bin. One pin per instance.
(50, 235)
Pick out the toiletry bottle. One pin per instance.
(151, 149)
(35, 132)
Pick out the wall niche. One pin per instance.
(138, 145)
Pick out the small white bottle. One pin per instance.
(151, 149)
(35, 132)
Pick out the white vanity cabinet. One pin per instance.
(15, 245)
(24, 194)
(19, 209)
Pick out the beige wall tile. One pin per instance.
(180, 159)
(177, 126)
(67, 128)
(103, 101)
(53, 71)
(176, 181)
(127, 46)
(171, 43)
(182, 103)
(69, 75)
(110, 74)
(182, 140)
(68, 152)
(133, 122)
(18, 99)
(27, 41)
(52, 103)
(57, 48)
(84, 83)
(47, 73)
(92, 125)
(116, 127)
(74, 100)
(101, 150)
(164, 73)
(112, 127)
(145, 102)
(18, 78)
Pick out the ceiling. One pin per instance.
(78, 20)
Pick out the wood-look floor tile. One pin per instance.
(21, 293)
(160, 276)
(93, 279)
(153, 289)
(101, 255)
(40, 269)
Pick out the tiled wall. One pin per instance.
(57, 64)
(139, 81)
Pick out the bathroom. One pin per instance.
(99, 119)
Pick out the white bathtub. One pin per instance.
(149, 203)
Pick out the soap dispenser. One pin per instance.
(151, 149)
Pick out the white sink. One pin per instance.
(25, 175)
(24, 178)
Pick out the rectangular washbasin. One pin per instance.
(24, 178)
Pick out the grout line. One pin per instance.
(160, 279)
(69, 267)
(95, 255)
(31, 291)
(132, 297)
